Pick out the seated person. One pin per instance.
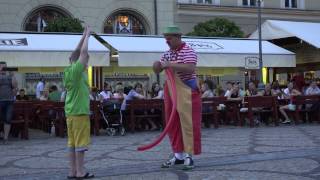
(264, 90)
(106, 93)
(288, 93)
(206, 89)
(275, 89)
(44, 95)
(156, 91)
(54, 95)
(313, 89)
(234, 93)
(22, 96)
(206, 93)
(136, 93)
(252, 90)
(119, 92)
(94, 96)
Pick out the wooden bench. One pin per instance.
(144, 105)
(261, 104)
(20, 118)
(211, 113)
(301, 102)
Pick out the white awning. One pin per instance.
(306, 31)
(212, 52)
(47, 50)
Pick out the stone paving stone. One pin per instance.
(296, 165)
(147, 176)
(42, 162)
(285, 152)
(5, 159)
(276, 148)
(242, 175)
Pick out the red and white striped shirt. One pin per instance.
(183, 55)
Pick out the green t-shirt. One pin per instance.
(54, 96)
(75, 81)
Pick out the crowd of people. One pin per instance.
(234, 91)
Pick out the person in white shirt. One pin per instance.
(313, 89)
(229, 87)
(40, 87)
(106, 93)
(119, 92)
(288, 93)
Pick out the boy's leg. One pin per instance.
(80, 164)
(72, 159)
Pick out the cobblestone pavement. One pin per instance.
(264, 153)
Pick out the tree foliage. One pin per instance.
(64, 24)
(218, 27)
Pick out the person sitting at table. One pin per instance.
(275, 89)
(206, 89)
(135, 93)
(288, 93)
(94, 95)
(44, 95)
(22, 96)
(106, 93)
(119, 92)
(313, 89)
(229, 86)
(156, 91)
(264, 90)
(234, 93)
(54, 95)
(252, 90)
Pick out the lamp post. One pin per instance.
(260, 39)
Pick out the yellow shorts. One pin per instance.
(78, 133)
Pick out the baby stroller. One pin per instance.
(111, 114)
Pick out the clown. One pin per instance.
(183, 109)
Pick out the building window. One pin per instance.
(204, 1)
(124, 23)
(248, 2)
(38, 19)
(291, 4)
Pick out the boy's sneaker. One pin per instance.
(188, 163)
(171, 162)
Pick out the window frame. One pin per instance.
(213, 2)
(241, 3)
(300, 4)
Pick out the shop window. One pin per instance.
(124, 23)
(38, 19)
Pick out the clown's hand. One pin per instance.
(165, 64)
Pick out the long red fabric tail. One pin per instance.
(170, 76)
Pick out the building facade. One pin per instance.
(150, 16)
(104, 16)
(244, 12)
